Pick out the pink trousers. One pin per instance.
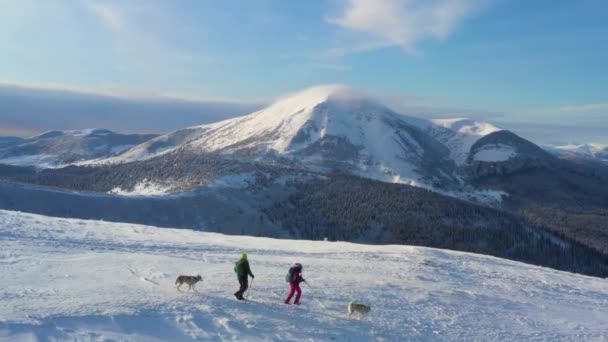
(293, 288)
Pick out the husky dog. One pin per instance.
(359, 309)
(189, 280)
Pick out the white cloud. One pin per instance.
(404, 23)
(123, 22)
(140, 32)
(110, 16)
(584, 108)
(115, 91)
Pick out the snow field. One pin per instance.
(495, 153)
(64, 279)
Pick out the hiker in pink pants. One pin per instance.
(294, 278)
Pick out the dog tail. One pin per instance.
(351, 302)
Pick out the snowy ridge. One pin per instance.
(77, 133)
(279, 126)
(587, 151)
(155, 147)
(43, 161)
(467, 126)
(57, 149)
(64, 279)
(461, 135)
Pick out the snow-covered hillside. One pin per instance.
(61, 148)
(64, 279)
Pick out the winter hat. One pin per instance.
(244, 256)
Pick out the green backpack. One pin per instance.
(294, 268)
(239, 267)
(289, 275)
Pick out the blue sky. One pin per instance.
(507, 61)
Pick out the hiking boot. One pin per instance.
(286, 302)
(298, 303)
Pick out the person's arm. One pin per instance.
(249, 270)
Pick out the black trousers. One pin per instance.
(244, 282)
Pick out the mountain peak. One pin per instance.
(467, 126)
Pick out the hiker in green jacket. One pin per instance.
(242, 271)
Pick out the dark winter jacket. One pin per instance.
(242, 269)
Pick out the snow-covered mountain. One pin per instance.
(597, 152)
(503, 152)
(65, 279)
(332, 127)
(459, 135)
(60, 148)
(325, 127)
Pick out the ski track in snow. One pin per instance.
(65, 279)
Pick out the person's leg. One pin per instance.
(236, 294)
(298, 294)
(292, 290)
(244, 284)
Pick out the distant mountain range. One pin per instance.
(290, 119)
(61, 148)
(585, 152)
(275, 172)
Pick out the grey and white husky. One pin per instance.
(188, 280)
(360, 309)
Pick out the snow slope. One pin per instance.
(80, 280)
